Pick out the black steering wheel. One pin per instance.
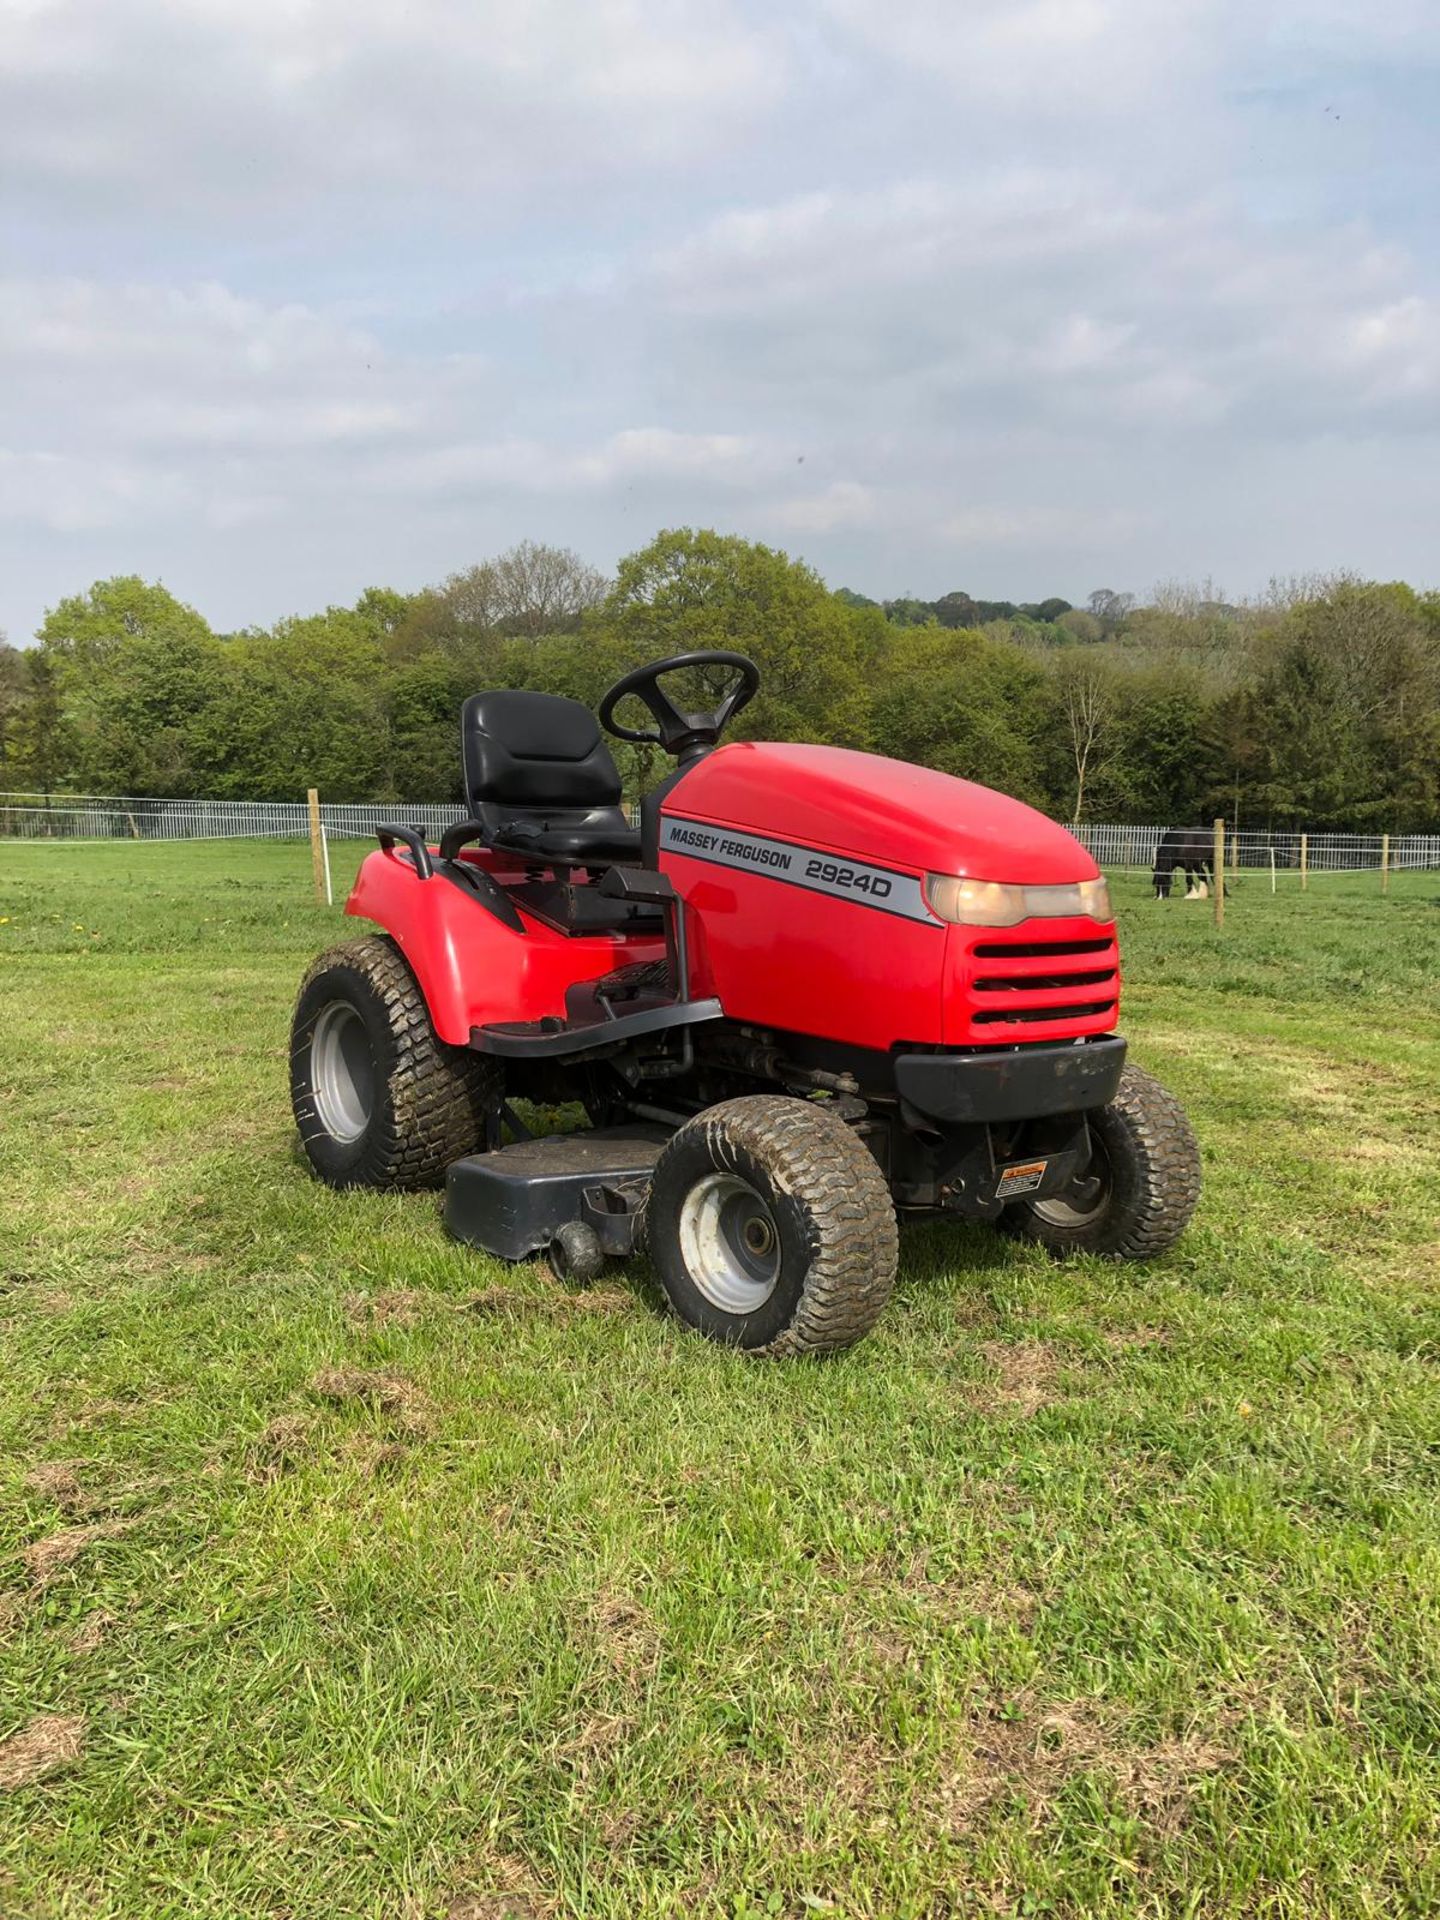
(686, 735)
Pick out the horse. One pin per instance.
(1188, 847)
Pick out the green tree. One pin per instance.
(909, 612)
(1110, 609)
(301, 706)
(134, 669)
(1318, 706)
(957, 610)
(423, 699)
(544, 589)
(1340, 710)
(1167, 766)
(1075, 624)
(88, 627)
(694, 589)
(959, 703)
(385, 611)
(1308, 761)
(14, 690)
(149, 737)
(531, 589)
(1087, 707)
(38, 750)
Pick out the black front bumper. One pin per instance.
(1011, 1083)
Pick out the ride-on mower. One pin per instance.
(812, 992)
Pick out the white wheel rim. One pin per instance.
(342, 1072)
(1056, 1212)
(1080, 1208)
(730, 1243)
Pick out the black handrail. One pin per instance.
(463, 834)
(414, 840)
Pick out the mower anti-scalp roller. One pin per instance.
(814, 992)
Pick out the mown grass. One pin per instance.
(350, 1574)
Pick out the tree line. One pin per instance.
(1316, 706)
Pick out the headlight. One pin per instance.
(996, 903)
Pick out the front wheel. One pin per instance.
(379, 1099)
(1136, 1197)
(771, 1227)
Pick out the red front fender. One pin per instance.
(473, 969)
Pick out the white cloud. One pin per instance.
(1124, 69)
(1055, 52)
(239, 103)
(305, 293)
(843, 504)
(729, 457)
(163, 402)
(634, 454)
(1062, 299)
(911, 233)
(143, 404)
(1024, 525)
(71, 325)
(1397, 349)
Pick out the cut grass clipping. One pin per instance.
(346, 1573)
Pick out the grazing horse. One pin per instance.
(1188, 847)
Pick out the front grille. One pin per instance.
(1046, 982)
(1068, 984)
(1039, 949)
(1081, 1010)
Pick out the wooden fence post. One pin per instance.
(1384, 863)
(1272, 866)
(1217, 869)
(1304, 862)
(317, 849)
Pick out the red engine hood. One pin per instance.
(881, 810)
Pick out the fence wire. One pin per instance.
(36, 816)
(1116, 847)
(28, 816)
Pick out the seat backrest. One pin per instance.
(534, 750)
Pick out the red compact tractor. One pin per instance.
(813, 991)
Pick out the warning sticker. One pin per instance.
(1023, 1178)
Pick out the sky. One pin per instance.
(1022, 297)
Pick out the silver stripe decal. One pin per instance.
(855, 880)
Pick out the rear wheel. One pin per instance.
(771, 1227)
(379, 1099)
(1136, 1197)
(575, 1254)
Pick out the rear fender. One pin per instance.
(473, 969)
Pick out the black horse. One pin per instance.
(1188, 847)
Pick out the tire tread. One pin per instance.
(438, 1095)
(1164, 1163)
(854, 1239)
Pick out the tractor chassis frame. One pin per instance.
(1024, 1130)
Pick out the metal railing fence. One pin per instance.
(36, 816)
(1118, 847)
(109, 817)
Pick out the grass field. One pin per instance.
(344, 1573)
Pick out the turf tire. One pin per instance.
(832, 1217)
(428, 1102)
(1151, 1180)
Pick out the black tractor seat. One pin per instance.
(567, 838)
(541, 783)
